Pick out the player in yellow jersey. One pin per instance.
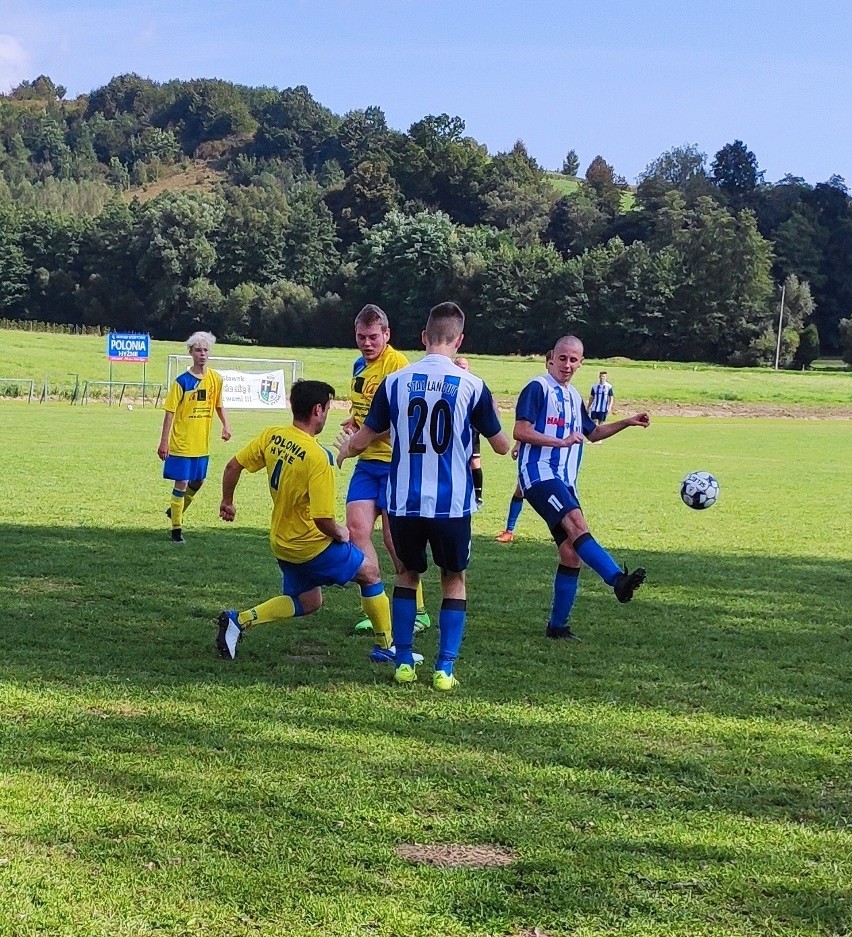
(185, 438)
(311, 548)
(366, 498)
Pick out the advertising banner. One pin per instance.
(253, 390)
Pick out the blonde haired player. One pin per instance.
(185, 438)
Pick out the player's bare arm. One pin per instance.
(230, 479)
(524, 433)
(226, 426)
(605, 430)
(163, 448)
(500, 443)
(348, 446)
(330, 527)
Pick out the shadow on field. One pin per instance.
(733, 635)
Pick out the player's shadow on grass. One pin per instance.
(736, 635)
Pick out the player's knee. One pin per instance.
(368, 574)
(311, 601)
(574, 525)
(360, 527)
(567, 554)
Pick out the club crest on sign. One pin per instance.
(269, 391)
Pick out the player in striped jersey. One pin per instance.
(600, 399)
(431, 409)
(551, 424)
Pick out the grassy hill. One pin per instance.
(567, 185)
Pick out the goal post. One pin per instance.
(247, 383)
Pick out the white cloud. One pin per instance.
(13, 62)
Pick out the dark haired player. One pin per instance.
(311, 548)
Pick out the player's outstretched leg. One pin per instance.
(233, 624)
(627, 583)
(623, 583)
(229, 635)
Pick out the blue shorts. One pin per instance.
(184, 468)
(599, 416)
(335, 566)
(552, 499)
(449, 538)
(369, 482)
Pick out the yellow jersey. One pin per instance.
(301, 482)
(193, 400)
(366, 377)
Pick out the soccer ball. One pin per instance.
(699, 490)
(130, 406)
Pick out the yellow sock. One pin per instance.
(177, 508)
(421, 602)
(189, 495)
(377, 609)
(282, 606)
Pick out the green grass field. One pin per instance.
(64, 358)
(684, 771)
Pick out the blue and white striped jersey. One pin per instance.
(600, 394)
(558, 411)
(431, 409)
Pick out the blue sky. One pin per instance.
(623, 80)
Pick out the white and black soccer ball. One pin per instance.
(699, 490)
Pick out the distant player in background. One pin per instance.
(431, 409)
(311, 548)
(366, 498)
(516, 505)
(476, 457)
(551, 424)
(185, 439)
(600, 399)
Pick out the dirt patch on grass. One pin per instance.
(306, 658)
(793, 411)
(456, 856)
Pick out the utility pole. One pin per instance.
(780, 320)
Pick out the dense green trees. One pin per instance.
(315, 214)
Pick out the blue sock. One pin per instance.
(515, 506)
(594, 556)
(404, 611)
(565, 585)
(450, 633)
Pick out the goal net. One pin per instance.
(247, 383)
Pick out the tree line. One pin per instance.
(314, 214)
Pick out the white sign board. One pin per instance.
(253, 390)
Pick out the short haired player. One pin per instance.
(551, 424)
(366, 497)
(600, 399)
(431, 409)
